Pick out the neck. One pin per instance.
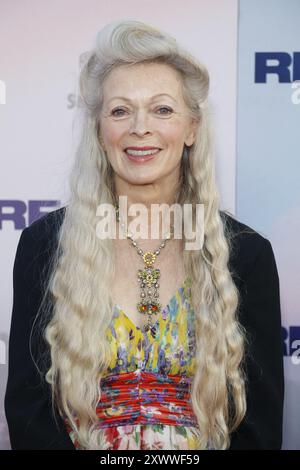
(147, 194)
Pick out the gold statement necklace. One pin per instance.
(148, 278)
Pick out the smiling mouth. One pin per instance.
(142, 156)
(142, 151)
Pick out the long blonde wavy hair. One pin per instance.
(82, 267)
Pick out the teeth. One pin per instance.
(141, 152)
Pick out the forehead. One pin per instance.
(145, 79)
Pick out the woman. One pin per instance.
(87, 370)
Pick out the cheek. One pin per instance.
(112, 134)
(172, 133)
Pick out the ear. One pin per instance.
(191, 135)
(190, 140)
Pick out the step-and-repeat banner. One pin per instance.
(268, 163)
(250, 50)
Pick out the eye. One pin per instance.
(115, 112)
(169, 110)
(119, 112)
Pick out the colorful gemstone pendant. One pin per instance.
(148, 279)
(149, 305)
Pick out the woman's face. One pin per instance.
(143, 107)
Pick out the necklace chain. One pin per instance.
(148, 278)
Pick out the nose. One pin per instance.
(140, 123)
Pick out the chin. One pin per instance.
(143, 180)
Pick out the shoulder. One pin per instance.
(46, 226)
(42, 233)
(37, 244)
(249, 248)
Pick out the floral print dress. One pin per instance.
(145, 401)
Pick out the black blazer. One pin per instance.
(252, 264)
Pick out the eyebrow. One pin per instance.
(155, 96)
